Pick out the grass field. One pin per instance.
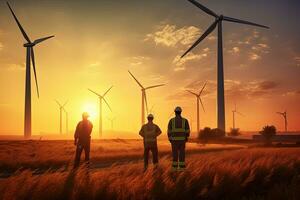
(213, 172)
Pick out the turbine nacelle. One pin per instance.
(29, 45)
(220, 18)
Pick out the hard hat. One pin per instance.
(178, 109)
(85, 114)
(150, 116)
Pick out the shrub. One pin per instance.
(208, 133)
(234, 132)
(268, 132)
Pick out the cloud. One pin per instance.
(138, 60)
(297, 59)
(250, 90)
(95, 64)
(178, 61)
(254, 56)
(16, 67)
(170, 36)
(292, 93)
(234, 50)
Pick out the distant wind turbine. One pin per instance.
(198, 98)
(144, 97)
(67, 120)
(218, 21)
(61, 108)
(29, 56)
(101, 97)
(284, 115)
(233, 116)
(111, 122)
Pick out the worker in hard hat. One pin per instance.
(149, 132)
(178, 134)
(82, 139)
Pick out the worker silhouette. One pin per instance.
(149, 132)
(178, 133)
(82, 139)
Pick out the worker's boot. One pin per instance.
(181, 166)
(174, 166)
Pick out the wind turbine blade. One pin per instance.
(202, 88)
(107, 91)
(240, 113)
(65, 103)
(205, 9)
(193, 93)
(205, 34)
(201, 104)
(34, 70)
(146, 102)
(154, 86)
(107, 104)
(58, 103)
(42, 39)
(19, 25)
(136, 80)
(95, 93)
(230, 19)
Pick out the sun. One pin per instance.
(91, 109)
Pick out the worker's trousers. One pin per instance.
(154, 150)
(79, 149)
(178, 152)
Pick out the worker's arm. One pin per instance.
(187, 128)
(91, 128)
(169, 128)
(142, 132)
(158, 131)
(76, 134)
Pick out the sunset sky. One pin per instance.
(96, 42)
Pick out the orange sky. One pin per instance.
(96, 44)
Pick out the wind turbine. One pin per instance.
(220, 73)
(144, 96)
(198, 97)
(111, 122)
(67, 120)
(61, 108)
(233, 115)
(29, 56)
(284, 115)
(101, 97)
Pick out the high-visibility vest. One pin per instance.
(178, 134)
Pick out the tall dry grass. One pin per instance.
(56, 154)
(242, 174)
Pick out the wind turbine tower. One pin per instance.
(29, 56)
(220, 71)
(233, 116)
(112, 122)
(67, 120)
(198, 98)
(101, 99)
(61, 108)
(144, 96)
(284, 115)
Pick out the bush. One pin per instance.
(268, 132)
(234, 132)
(208, 133)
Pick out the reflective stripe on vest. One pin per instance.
(177, 138)
(176, 130)
(178, 134)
